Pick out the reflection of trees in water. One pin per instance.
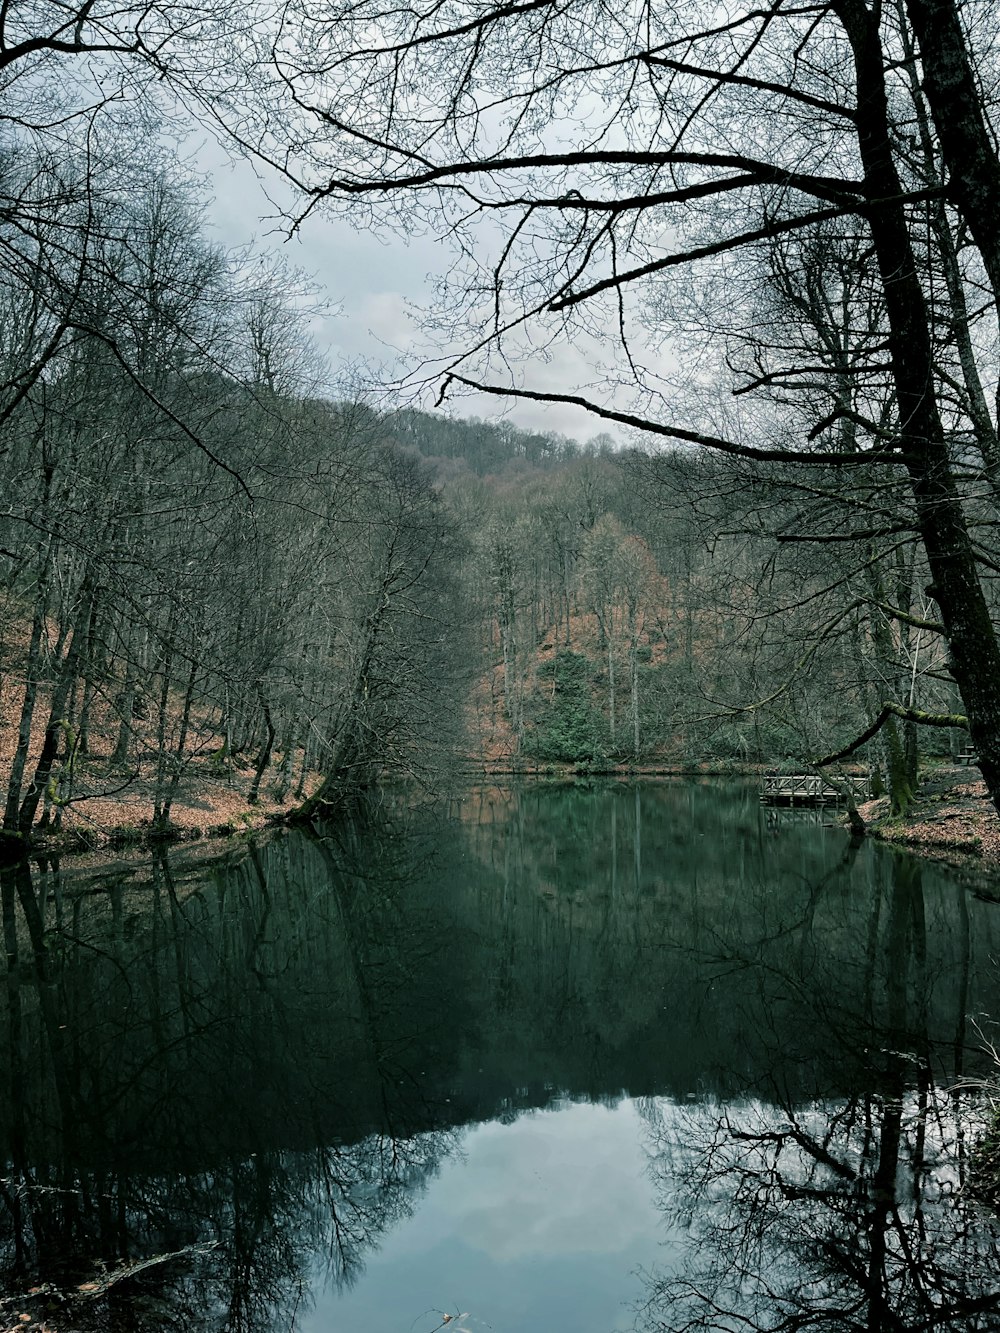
(235, 1248)
(847, 1214)
(272, 1057)
(812, 1218)
(175, 1086)
(663, 939)
(846, 1217)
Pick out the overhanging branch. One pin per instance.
(896, 614)
(916, 715)
(714, 442)
(744, 81)
(769, 230)
(863, 534)
(839, 190)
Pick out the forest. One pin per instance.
(210, 563)
(217, 560)
(202, 558)
(246, 586)
(209, 571)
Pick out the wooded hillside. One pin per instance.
(342, 595)
(215, 567)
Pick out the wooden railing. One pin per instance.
(809, 789)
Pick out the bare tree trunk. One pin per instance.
(136, 647)
(635, 697)
(32, 669)
(162, 761)
(89, 669)
(968, 149)
(611, 688)
(285, 770)
(975, 654)
(56, 723)
(264, 758)
(300, 786)
(178, 764)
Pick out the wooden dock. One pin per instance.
(808, 789)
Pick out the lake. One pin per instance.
(567, 1058)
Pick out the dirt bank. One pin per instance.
(206, 806)
(952, 820)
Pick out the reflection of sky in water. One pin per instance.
(540, 1225)
(249, 1040)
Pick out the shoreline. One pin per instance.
(951, 822)
(205, 810)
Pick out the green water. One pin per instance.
(573, 1059)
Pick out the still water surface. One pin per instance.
(566, 1059)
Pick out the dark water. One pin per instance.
(566, 1059)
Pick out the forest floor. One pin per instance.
(212, 794)
(207, 804)
(952, 819)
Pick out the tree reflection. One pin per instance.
(176, 1073)
(835, 1215)
(801, 1220)
(228, 1077)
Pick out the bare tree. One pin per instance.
(613, 149)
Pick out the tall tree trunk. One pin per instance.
(307, 749)
(134, 672)
(162, 761)
(511, 665)
(28, 701)
(285, 770)
(89, 669)
(57, 720)
(611, 690)
(178, 763)
(634, 663)
(967, 147)
(960, 322)
(264, 758)
(975, 656)
(900, 780)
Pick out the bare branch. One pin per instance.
(715, 442)
(894, 710)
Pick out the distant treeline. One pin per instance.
(488, 447)
(688, 608)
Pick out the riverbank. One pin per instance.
(213, 805)
(951, 820)
(207, 805)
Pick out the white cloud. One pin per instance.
(563, 1182)
(374, 282)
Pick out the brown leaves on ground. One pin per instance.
(212, 793)
(953, 815)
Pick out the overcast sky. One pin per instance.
(370, 279)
